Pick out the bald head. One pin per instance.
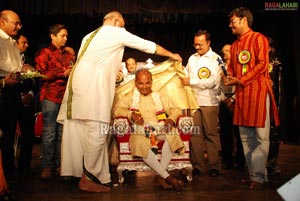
(10, 22)
(143, 71)
(114, 18)
(143, 81)
(7, 13)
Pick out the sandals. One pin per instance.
(246, 181)
(176, 183)
(254, 185)
(160, 182)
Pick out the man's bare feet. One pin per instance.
(90, 186)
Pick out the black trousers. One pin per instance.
(231, 145)
(10, 101)
(26, 140)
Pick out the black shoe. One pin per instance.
(240, 168)
(7, 197)
(227, 166)
(129, 172)
(196, 172)
(71, 179)
(214, 173)
(109, 184)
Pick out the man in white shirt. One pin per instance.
(203, 73)
(86, 107)
(131, 67)
(10, 61)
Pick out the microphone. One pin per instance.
(221, 63)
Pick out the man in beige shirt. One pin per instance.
(148, 112)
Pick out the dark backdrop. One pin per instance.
(171, 23)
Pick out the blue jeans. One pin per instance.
(52, 131)
(256, 144)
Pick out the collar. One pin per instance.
(132, 73)
(247, 33)
(5, 36)
(209, 53)
(53, 47)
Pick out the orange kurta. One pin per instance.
(250, 107)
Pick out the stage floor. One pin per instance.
(139, 186)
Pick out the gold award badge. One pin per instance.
(244, 57)
(120, 77)
(270, 67)
(203, 72)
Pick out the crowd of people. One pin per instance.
(76, 95)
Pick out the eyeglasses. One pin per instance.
(234, 21)
(16, 23)
(198, 45)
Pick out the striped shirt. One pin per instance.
(249, 63)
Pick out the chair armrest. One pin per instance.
(185, 126)
(122, 129)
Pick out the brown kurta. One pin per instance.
(139, 143)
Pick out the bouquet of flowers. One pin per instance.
(29, 74)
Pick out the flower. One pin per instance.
(29, 74)
(160, 112)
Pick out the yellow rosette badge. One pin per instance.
(244, 57)
(270, 67)
(120, 78)
(203, 72)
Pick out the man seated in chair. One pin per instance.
(153, 118)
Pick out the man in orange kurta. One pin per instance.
(255, 104)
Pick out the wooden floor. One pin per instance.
(138, 186)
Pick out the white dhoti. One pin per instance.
(84, 140)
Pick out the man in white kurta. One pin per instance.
(86, 107)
